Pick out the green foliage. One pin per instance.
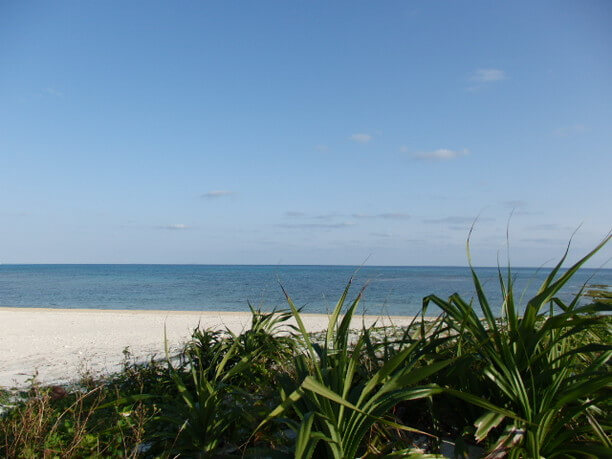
(548, 390)
(270, 344)
(211, 407)
(205, 410)
(333, 404)
(51, 423)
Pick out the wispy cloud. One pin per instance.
(218, 194)
(336, 215)
(382, 235)
(394, 215)
(360, 138)
(570, 130)
(386, 215)
(316, 225)
(521, 212)
(53, 92)
(519, 208)
(514, 204)
(545, 240)
(442, 154)
(463, 227)
(329, 216)
(487, 75)
(454, 220)
(321, 148)
(548, 227)
(174, 227)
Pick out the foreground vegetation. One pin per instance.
(532, 382)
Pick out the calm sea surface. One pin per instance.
(390, 290)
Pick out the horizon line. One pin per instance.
(293, 265)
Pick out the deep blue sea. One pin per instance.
(390, 290)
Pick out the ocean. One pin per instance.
(390, 290)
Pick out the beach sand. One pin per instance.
(60, 345)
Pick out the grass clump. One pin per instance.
(335, 405)
(51, 422)
(545, 387)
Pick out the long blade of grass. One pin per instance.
(303, 331)
(550, 288)
(333, 318)
(314, 386)
(485, 423)
(475, 400)
(304, 444)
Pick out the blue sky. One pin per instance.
(303, 132)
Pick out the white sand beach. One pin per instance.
(62, 344)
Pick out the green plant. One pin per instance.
(599, 293)
(269, 342)
(207, 408)
(55, 423)
(336, 407)
(548, 389)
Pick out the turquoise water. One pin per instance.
(390, 290)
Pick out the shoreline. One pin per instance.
(211, 312)
(60, 345)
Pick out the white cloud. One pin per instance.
(549, 227)
(218, 194)
(329, 216)
(386, 215)
(361, 138)
(53, 92)
(394, 215)
(176, 226)
(441, 154)
(322, 148)
(488, 75)
(454, 220)
(514, 204)
(384, 235)
(545, 240)
(317, 225)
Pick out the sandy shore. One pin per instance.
(62, 344)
